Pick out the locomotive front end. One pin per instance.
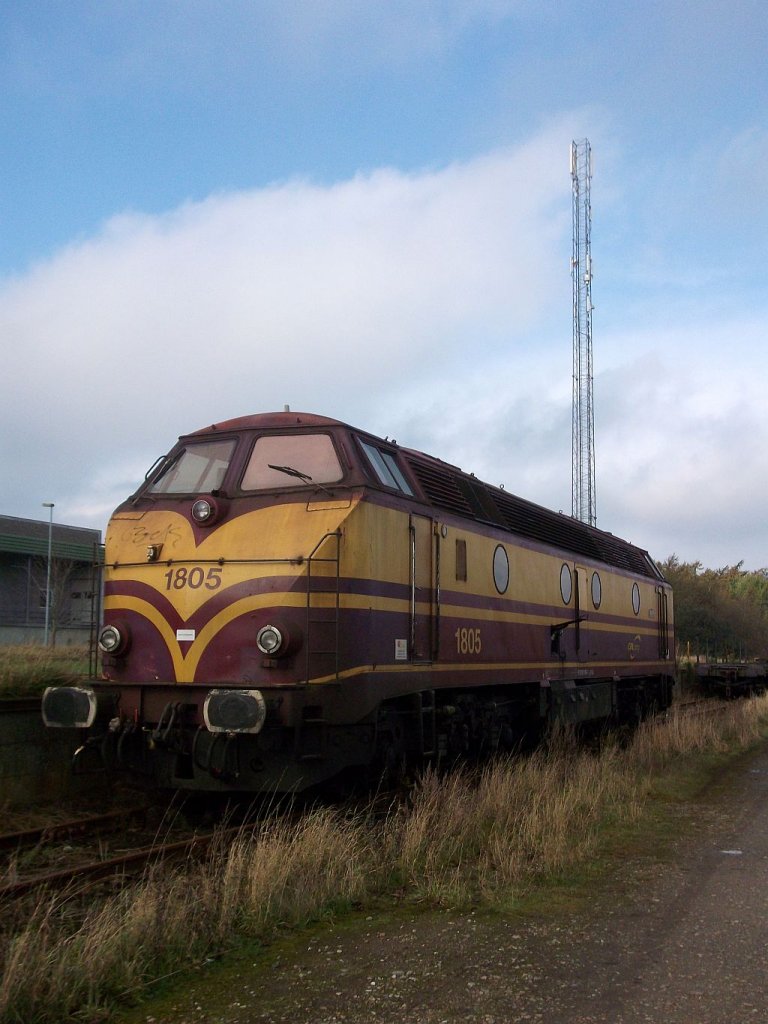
(220, 603)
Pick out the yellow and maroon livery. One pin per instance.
(287, 598)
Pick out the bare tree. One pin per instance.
(62, 575)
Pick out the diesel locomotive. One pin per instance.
(288, 599)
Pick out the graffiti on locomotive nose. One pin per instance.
(169, 535)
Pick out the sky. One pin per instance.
(211, 208)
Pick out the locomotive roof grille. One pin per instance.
(441, 488)
(471, 498)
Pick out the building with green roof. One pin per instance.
(75, 581)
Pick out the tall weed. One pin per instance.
(26, 669)
(483, 835)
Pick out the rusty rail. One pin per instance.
(116, 865)
(93, 823)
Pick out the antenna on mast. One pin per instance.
(583, 497)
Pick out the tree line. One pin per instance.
(719, 613)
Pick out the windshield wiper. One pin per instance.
(290, 471)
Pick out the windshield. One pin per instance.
(200, 467)
(308, 458)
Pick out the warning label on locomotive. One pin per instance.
(185, 634)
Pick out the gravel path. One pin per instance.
(681, 943)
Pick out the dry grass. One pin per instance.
(481, 836)
(468, 837)
(733, 724)
(26, 669)
(58, 961)
(289, 875)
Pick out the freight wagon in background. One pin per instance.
(288, 598)
(729, 679)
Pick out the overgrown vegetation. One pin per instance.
(719, 613)
(487, 837)
(26, 669)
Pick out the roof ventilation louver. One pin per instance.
(447, 488)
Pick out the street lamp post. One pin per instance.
(49, 505)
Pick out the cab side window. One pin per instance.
(385, 468)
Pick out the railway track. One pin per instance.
(76, 828)
(58, 852)
(30, 852)
(110, 867)
(697, 706)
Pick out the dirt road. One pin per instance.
(684, 942)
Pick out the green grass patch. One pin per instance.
(26, 669)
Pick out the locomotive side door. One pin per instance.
(663, 618)
(581, 612)
(423, 596)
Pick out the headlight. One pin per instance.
(114, 639)
(69, 707)
(234, 711)
(202, 511)
(209, 510)
(269, 640)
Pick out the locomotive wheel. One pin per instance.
(390, 760)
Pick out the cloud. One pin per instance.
(328, 297)
(681, 433)
(682, 440)
(176, 48)
(434, 306)
(400, 32)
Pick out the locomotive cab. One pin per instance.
(222, 588)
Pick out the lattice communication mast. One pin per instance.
(583, 499)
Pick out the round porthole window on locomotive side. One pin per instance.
(635, 599)
(597, 590)
(501, 569)
(566, 584)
